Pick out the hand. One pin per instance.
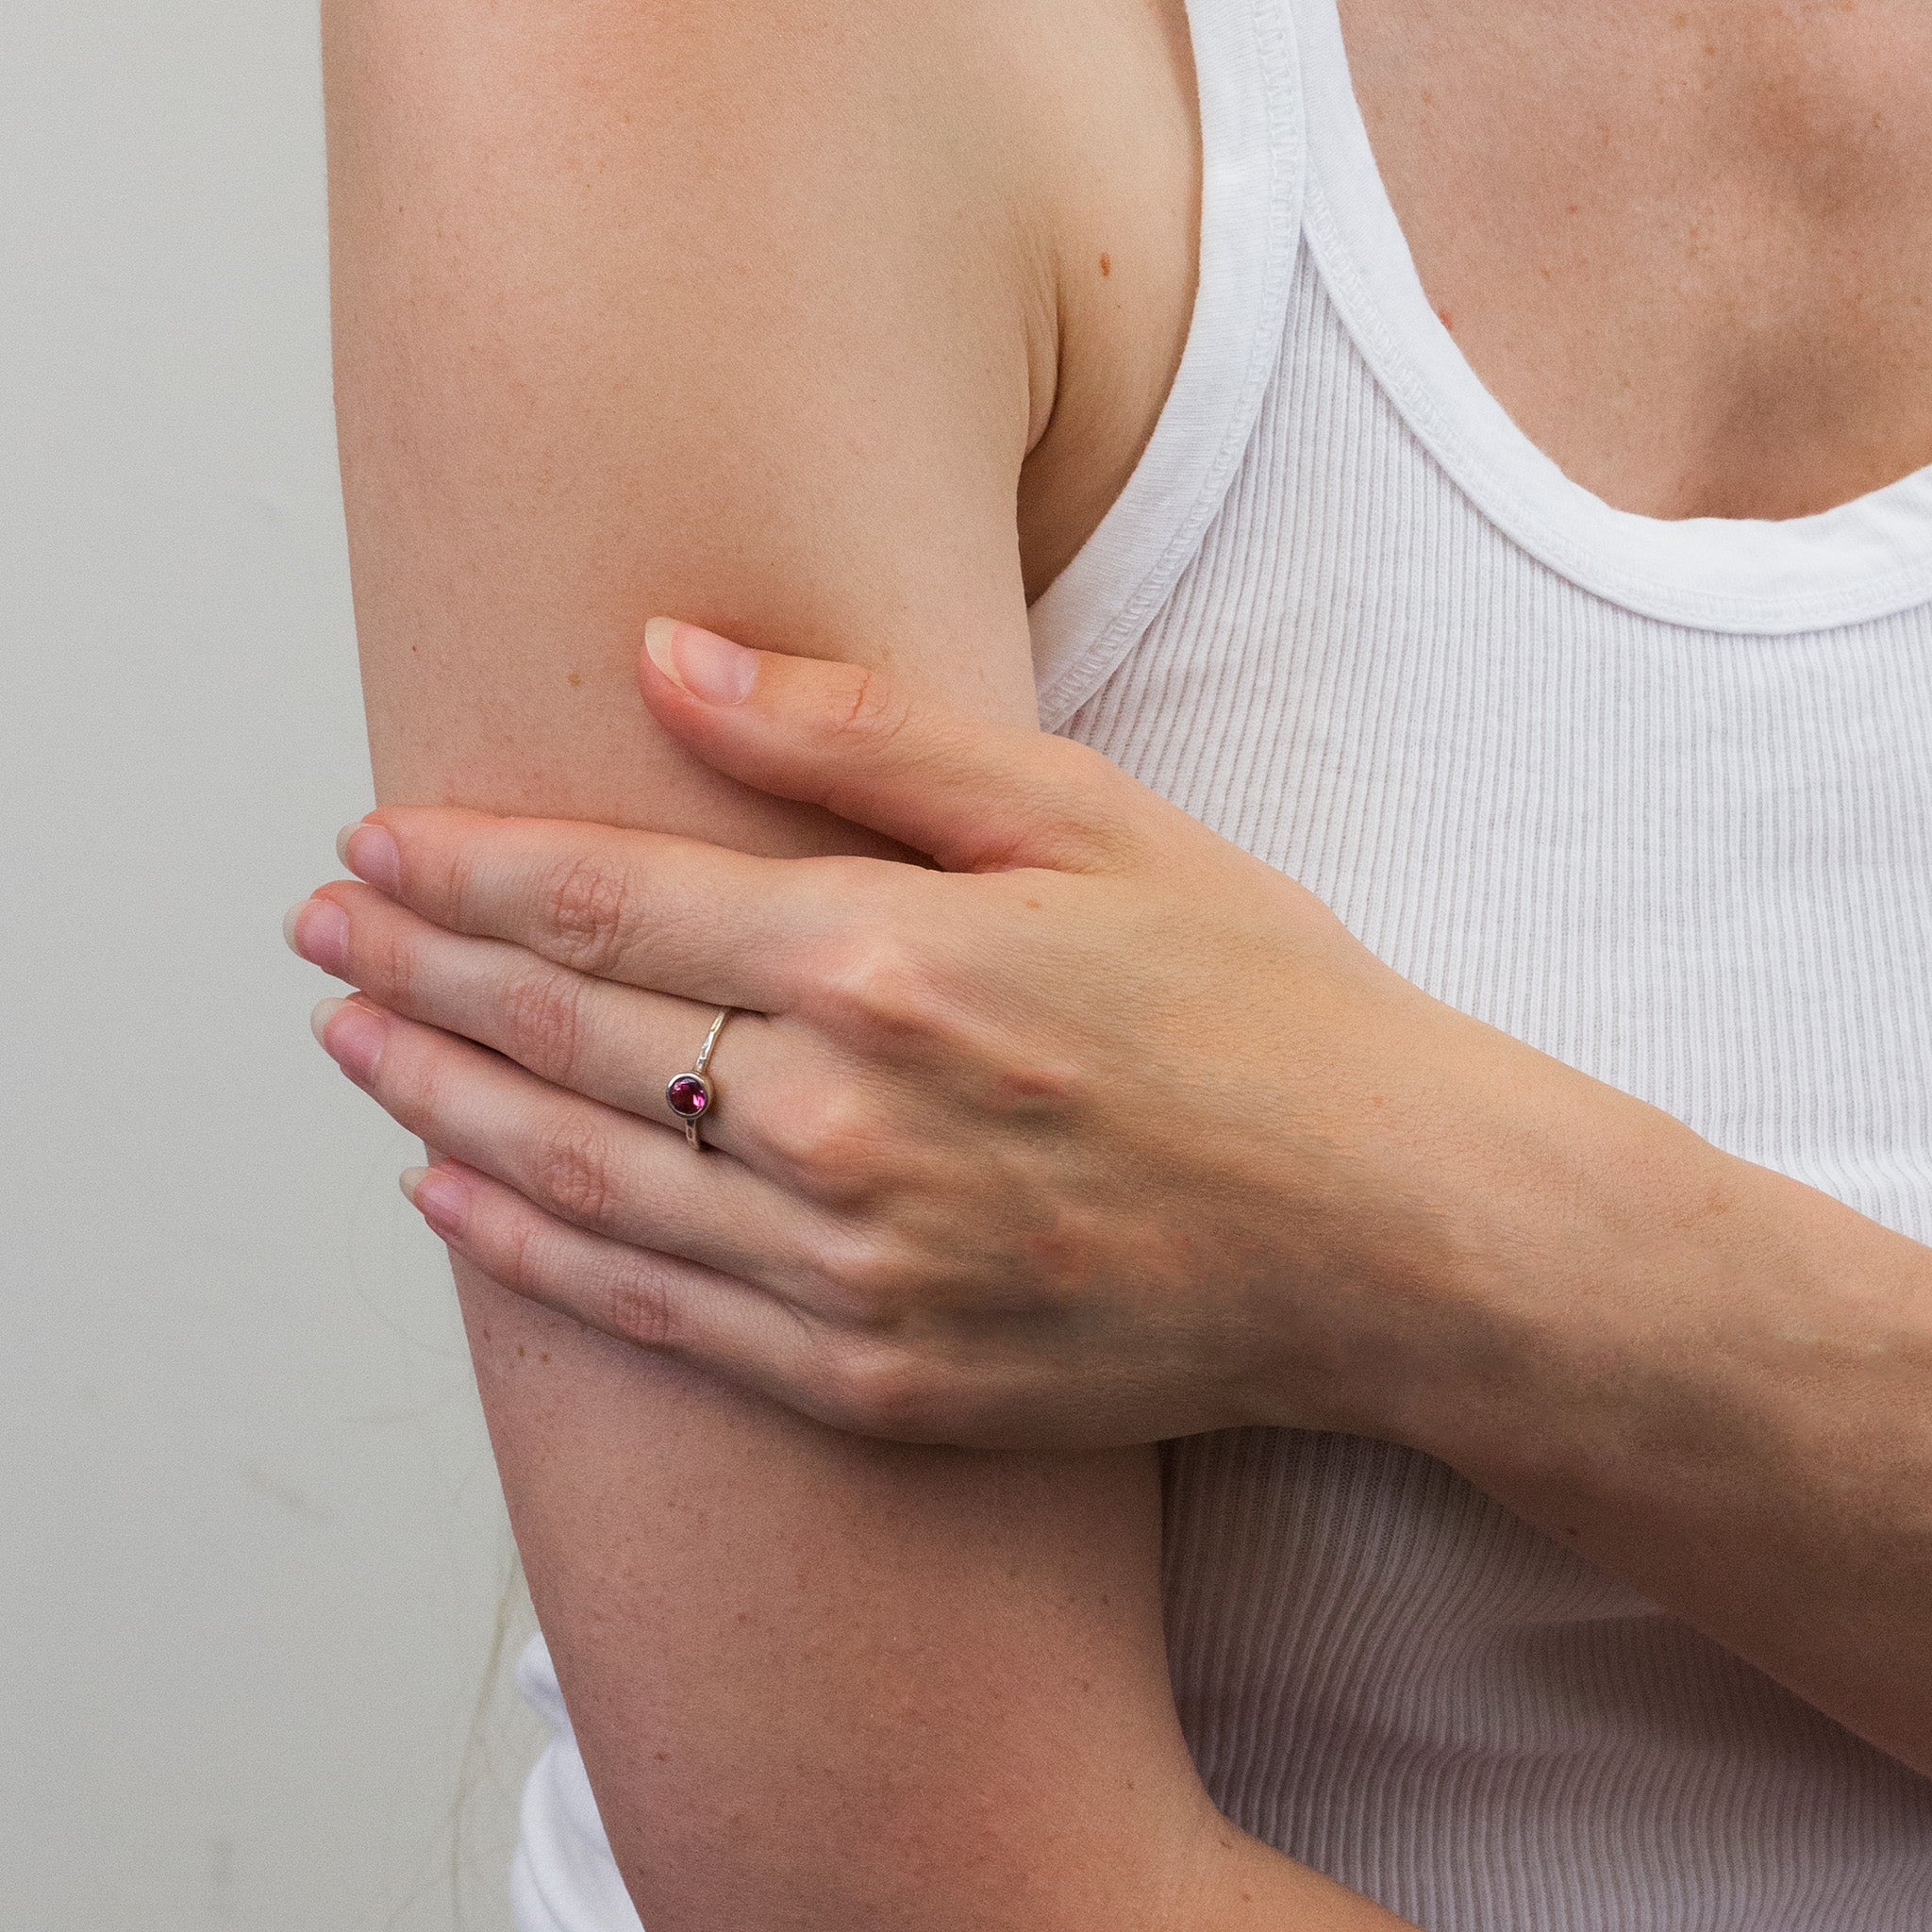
(1107, 1132)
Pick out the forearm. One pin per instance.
(1711, 1381)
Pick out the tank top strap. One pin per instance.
(1253, 153)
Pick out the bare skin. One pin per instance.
(952, 1197)
(1688, 245)
(760, 312)
(865, 428)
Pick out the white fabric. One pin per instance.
(1655, 797)
(563, 1878)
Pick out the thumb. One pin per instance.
(975, 794)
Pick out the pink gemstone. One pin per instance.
(688, 1095)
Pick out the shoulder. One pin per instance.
(1014, 191)
(987, 213)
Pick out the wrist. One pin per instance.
(1571, 1232)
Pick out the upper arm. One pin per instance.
(724, 308)
(647, 306)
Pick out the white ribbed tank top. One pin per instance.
(1655, 798)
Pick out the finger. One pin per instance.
(586, 1163)
(978, 795)
(645, 908)
(673, 1307)
(617, 1044)
(635, 1295)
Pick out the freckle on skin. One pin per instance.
(521, 1350)
(1107, 264)
(576, 677)
(1442, 316)
(544, 1357)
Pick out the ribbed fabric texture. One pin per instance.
(1584, 777)
(1696, 863)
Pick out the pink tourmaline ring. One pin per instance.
(689, 1096)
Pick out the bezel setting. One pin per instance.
(689, 1096)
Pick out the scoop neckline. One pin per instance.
(1869, 557)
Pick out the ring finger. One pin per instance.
(618, 1044)
(590, 1164)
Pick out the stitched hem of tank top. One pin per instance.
(1867, 558)
(530, 1908)
(1252, 163)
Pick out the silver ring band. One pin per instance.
(691, 1096)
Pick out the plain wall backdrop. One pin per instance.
(251, 1546)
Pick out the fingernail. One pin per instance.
(318, 930)
(352, 1036)
(440, 1199)
(370, 853)
(706, 665)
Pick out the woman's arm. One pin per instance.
(1371, 1213)
(747, 310)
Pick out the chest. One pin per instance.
(1687, 244)
(1696, 864)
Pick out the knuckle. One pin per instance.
(544, 1023)
(409, 1083)
(884, 1390)
(872, 1286)
(1042, 1090)
(586, 907)
(1077, 764)
(520, 1258)
(571, 1170)
(384, 961)
(872, 987)
(448, 883)
(833, 1146)
(1090, 805)
(636, 1303)
(622, 1293)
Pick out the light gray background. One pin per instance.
(251, 1547)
